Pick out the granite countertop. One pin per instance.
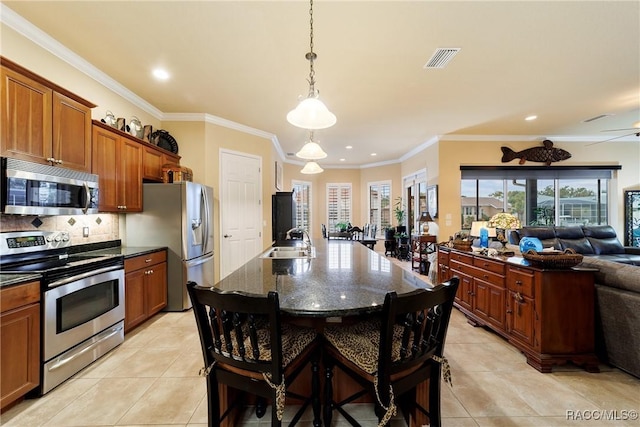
(99, 249)
(128, 251)
(346, 278)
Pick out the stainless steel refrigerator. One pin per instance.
(179, 216)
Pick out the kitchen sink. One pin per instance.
(289, 252)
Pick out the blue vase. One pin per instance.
(484, 238)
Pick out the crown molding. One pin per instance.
(209, 118)
(536, 138)
(48, 43)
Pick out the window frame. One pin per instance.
(340, 217)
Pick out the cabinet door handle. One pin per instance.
(148, 260)
(519, 282)
(227, 236)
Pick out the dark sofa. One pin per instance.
(598, 241)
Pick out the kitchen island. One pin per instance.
(345, 282)
(344, 279)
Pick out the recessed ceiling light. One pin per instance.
(374, 154)
(160, 74)
(342, 160)
(348, 147)
(530, 118)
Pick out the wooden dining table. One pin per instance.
(343, 283)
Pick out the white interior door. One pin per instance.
(240, 210)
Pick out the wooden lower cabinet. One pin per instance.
(546, 314)
(145, 284)
(19, 341)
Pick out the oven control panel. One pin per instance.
(27, 241)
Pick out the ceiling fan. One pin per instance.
(635, 128)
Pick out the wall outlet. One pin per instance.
(85, 231)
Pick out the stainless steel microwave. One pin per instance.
(34, 189)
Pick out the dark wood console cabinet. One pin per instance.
(547, 314)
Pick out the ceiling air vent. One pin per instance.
(441, 57)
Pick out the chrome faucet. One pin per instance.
(304, 233)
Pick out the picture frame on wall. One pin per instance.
(632, 218)
(279, 176)
(432, 200)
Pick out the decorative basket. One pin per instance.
(462, 245)
(566, 259)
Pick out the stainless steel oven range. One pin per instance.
(82, 304)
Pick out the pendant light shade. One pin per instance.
(311, 168)
(311, 113)
(311, 150)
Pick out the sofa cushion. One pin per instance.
(603, 239)
(606, 246)
(617, 320)
(573, 238)
(614, 274)
(546, 235)
(621, 258)
(599, 231)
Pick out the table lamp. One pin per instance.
(476, 230)
(425, 219)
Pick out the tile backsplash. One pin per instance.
(102, 227)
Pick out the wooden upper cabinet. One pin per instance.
(118, 163)
(43, 122)
(104, 149)
(26, 118)
(71, 133)
(130, 175)
(152, 162)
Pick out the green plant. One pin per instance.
(342, 226)
(399, 211)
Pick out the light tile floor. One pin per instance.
(152, 379)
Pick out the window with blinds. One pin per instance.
(380, 205)
(302, 197)
(338, 205)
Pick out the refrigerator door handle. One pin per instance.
(198, 261)
(207, 218)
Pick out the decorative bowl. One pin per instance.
(527, 243)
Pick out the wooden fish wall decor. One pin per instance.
(546, 154)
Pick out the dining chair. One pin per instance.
(247, 347)
(374, 230)
(356, 233)
(391, 354)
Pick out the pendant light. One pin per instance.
(311, 113)
(311, 167)
(311, 150)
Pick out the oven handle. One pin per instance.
(82, 276)
(60, 363)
